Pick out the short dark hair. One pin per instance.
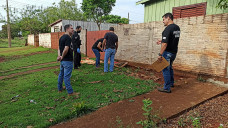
(67, 26)
(170, 15)
(78, 27)
(111, 29)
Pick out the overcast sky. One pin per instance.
(121, 8)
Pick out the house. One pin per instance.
(58, 25)
(155, 9)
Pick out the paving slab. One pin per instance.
(186, 94)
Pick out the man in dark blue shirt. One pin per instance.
(110, 45)
(169, 48)
(65, 56)
(76, 47)
(97, 48)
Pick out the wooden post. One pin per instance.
(8, 25)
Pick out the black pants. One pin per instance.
(77, 59)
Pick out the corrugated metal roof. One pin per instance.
(142, 2)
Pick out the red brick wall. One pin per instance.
(55, 39)
(92, 37)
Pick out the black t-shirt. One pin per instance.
(171, 36)
(111, 39)
(96, 43)
(65, 40)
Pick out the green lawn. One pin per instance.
(16, 42)
(49, 106)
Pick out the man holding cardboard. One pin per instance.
(169, 48)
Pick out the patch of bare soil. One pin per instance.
(2, 59)
(27, 72)
(211, 114)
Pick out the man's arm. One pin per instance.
(99, 45)
(59, 57)
(116, 47)
(163, 47)
(104, 44)
(65, 51)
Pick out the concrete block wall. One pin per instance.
(203, 43)
(45, 40)
(31, 39)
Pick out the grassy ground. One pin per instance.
(33, 99)
(16, 42)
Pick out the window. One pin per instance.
(56, 28)
(190, 10)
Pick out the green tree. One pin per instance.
(95, 9)
(63, 10)
(115, 19)
(223, 4)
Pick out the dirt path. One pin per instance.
(185, 95)
(28, 67)
(27, 72)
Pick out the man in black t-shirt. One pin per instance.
(97, 48)
(169, 48)
(65, 56)
(110, 44)
(76, 47)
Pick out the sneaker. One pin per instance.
(74, 94)
(164, 90)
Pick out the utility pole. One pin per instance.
(8, 24)
(128, 18)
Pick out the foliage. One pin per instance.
(81, 108)
(97, 9)
(223, 4)
(115, 19)
(151, 119)
(36, 20)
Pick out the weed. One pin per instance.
(81, 108)
(151, 119)
(181, 122)
(200, 78)
(220, 126)
(119, 122)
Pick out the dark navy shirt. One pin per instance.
(111, 40)
(171, 36)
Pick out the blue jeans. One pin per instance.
(66, 68)
(109, 53)
(97, 54)
(168, 71)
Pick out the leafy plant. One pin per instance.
(195, 120)
(81, 108)
(181, 122)
(151, 119)
(200, 78)
(119, 122)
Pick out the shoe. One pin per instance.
(64, 88)
(74, 94)
(76, 68)
(164, 90)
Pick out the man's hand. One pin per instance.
(158, 42)
(116, 51)
(160, 58)
(78, 50)
(59, 58)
